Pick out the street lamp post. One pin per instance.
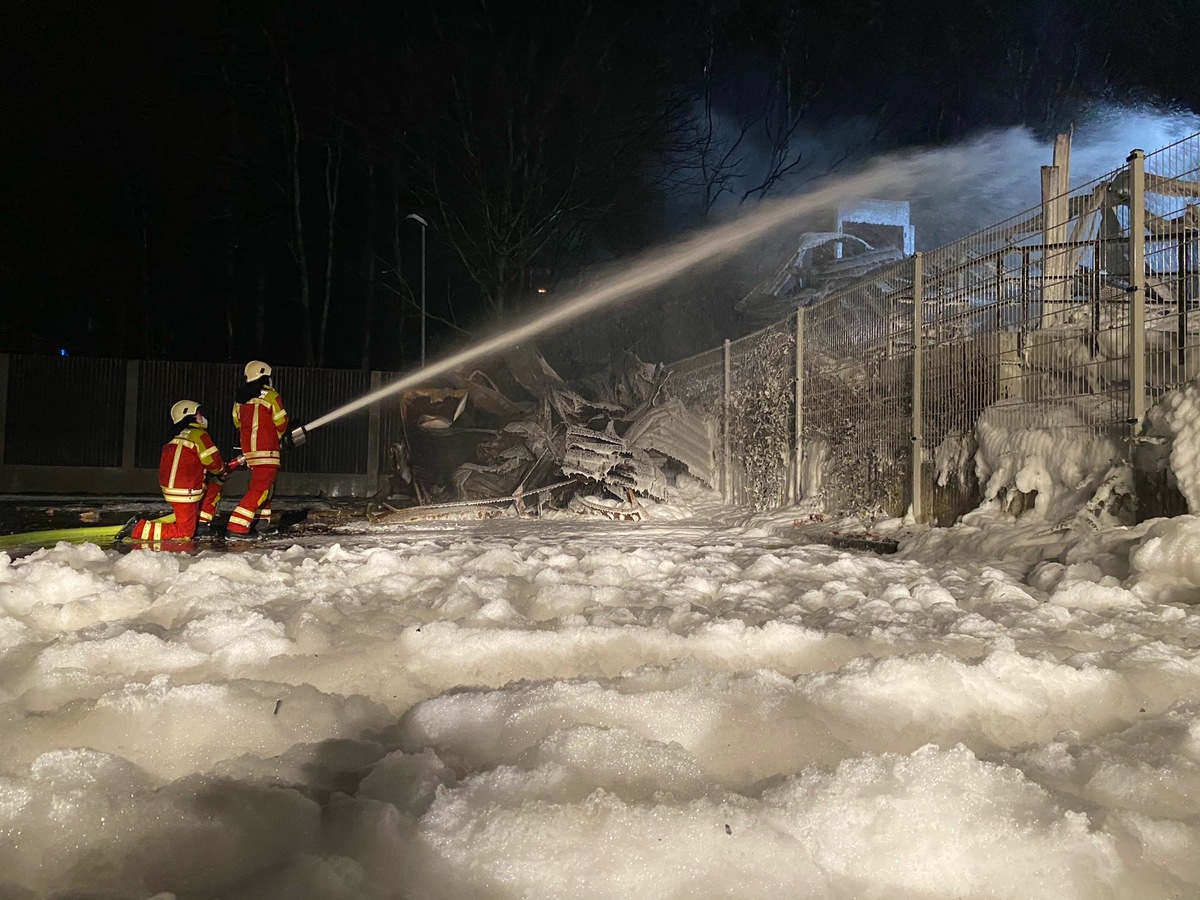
(424, 225)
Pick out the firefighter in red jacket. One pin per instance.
(262, 422)
(188, 460)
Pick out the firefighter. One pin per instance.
(188, 460)
(262, 423)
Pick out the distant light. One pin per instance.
(62, 351)
(541, 290)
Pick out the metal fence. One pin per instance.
(1172, 220)
(701, 382)
(748, 387)
(857, 394)
(1081, 312)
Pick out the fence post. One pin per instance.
(129, 439)
(1054, 236)
(726, 449)
(1137, 292)
(798, 400)
(1181, 303)
(918, 433)
(373, 439)
(3, 402)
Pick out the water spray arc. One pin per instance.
(654, 270)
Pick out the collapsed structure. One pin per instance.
(520, 435)
(868, 235)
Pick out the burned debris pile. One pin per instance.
(519, 437)
(825, 264)
(868, 238)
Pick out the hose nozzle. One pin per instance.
(299, 436)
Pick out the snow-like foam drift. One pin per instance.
(555, 709)
(688, 707)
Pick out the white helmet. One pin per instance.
(256, 369)
(183, 409)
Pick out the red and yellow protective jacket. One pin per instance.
(262, 421)
(184, 461)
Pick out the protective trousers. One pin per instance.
(257, 501)
(181, 524)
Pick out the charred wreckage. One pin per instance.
(519, 437)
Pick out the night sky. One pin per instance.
(215, 181)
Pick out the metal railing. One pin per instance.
(1080, 313)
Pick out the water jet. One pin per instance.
(886, 176)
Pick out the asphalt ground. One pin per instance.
(20, 513)
(42, 512)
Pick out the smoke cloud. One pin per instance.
(954, 191)
(996, 174)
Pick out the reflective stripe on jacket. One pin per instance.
(184, 461)
(261, 423)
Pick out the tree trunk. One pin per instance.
(397, 268)
(260, 287)
(141, 227)
(369, 269)
(229, 214)
(293, 127)
(229, 211)
(333, 178)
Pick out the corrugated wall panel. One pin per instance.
(161, 384)
(64, 411)
(341, 445)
